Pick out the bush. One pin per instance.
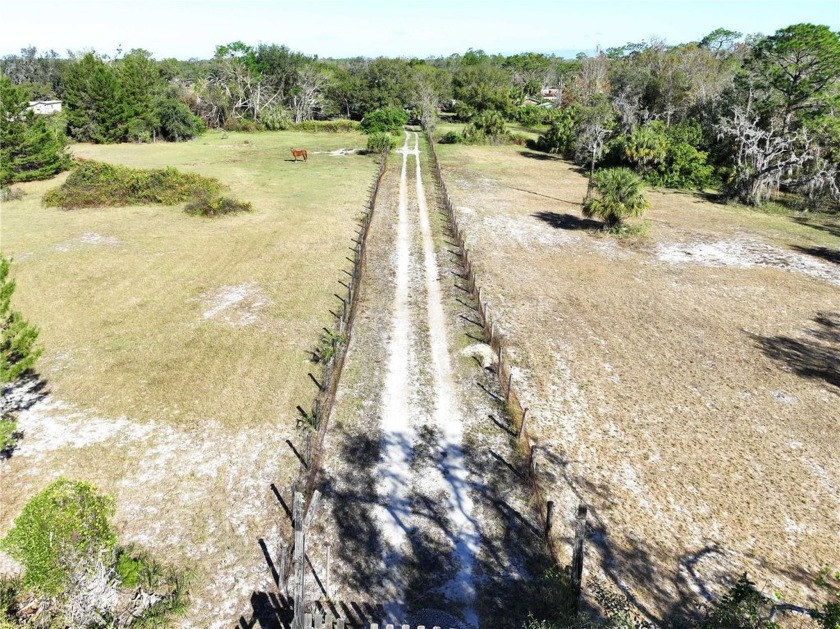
(275, 118)
(340, 125)
(487, 126)
(451, 138)
(665, 156)
(210, 204)
(177, 122)
(385, 120)
(620, 195)
(560, 136)
(381, 142)
(96, 184)
(532, 115)
(10, 194)
(64, 522)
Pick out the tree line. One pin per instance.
(753, 115)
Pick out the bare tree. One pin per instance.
(769, 157)
(306, 96)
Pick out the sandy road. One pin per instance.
(428, 519)
(401, 416)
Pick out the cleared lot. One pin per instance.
(177, 347)
(684, 384)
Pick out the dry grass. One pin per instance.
(176, 347)
(684, 384)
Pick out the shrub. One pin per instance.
(381, 142)
(620, 195)
(177, 122)
(64, 522)
(275, 118)
(560, 136)
(17, 336)
(488, 126)
(340, 125)
(209, 204)
(665, 156)
(385, 120)
(10, 194)
(96, 184)
(451, 137)
(532, 115)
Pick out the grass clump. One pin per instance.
(8, 435)
(97, 184)
(211, 205)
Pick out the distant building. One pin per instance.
(45, 107)
(551, 93)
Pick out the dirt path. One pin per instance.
(429, 519)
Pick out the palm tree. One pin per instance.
(620, 194)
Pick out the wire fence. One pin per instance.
(504, 367)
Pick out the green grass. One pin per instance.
(120, 293)
(8, 427)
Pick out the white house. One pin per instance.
(45, 106)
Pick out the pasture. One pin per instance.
(177, 347)
(683, 383)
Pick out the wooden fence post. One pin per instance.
(299, 563)
(577, 554)
(532, 462)
(328, 573)
(549, 517)
(522, 425)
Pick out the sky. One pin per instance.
(406, 28)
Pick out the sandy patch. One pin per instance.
(745, 254)
(88, 239)
(236, 306)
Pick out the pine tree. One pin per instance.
(29, 149)
(95, 102)
(17, 336)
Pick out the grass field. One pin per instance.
(684, 384)
(177, 347)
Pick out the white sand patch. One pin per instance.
(86, 239)
(746, 253)
(339, 152)
(174, 471)
(450, 422)
(394, 468)
(237, 305)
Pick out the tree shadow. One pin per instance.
(832, 227)
(568, 221)
(817, 359)
(829, 255)
(543, 157)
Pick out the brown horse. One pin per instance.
(300, 153)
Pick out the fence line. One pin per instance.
(504, 367)
(314, 422)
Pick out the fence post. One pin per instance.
(549, 517)
(532, 462)
(509, 384)
(328, 572)
(299, 563)
(522, 425)
(577, 554)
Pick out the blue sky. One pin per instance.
(341, 28)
